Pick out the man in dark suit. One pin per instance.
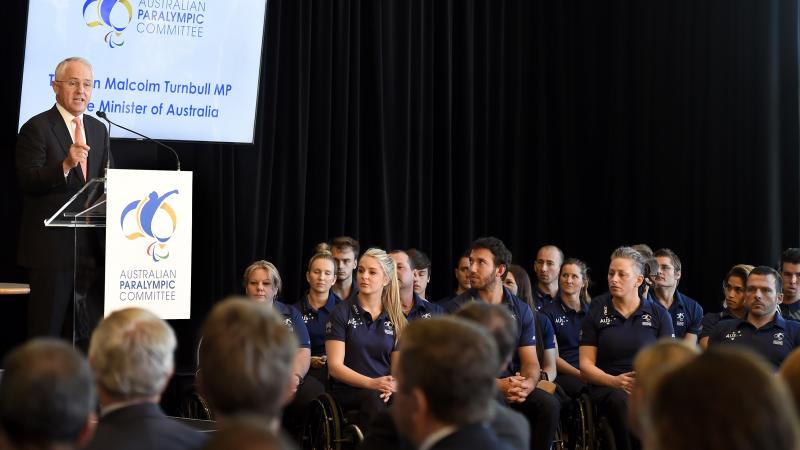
(445, 385)
(46, 397)
(57, 151)
(131, 354)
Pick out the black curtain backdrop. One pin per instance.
(430, 123)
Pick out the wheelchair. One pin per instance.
(328, 428)
(585, 428)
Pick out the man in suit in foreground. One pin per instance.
(132, 356)
(445, 377)
(57, 152)
(46, 397)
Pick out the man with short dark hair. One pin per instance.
(345, 251)
(763, 329)
(547, 266)
(422, 271)
(445, 383)
(132, 356)
(489, 259)
(414, 306)
(246, 360)
(790, 273)
(687, 314)
(46, 397)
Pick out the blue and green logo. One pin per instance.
(115, 15)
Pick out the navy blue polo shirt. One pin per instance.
(619, 339)
(567, 325)
(687, 315)
(526, 329)
(774, 341)
(423, 309)
(353, 291)
(711, 320)
(790, 311)
(293, 320)
(315, 320)
(540, 299)
(368, 344)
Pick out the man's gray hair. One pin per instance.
(132, 353)
(60, 66)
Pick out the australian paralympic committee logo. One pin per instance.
(113, 14)
(155, 220)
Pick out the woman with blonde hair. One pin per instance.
(361, 338)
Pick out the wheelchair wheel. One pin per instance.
(323, 427)
(194, 406)
(605, 435)
(585, 426)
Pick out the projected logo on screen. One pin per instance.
(113, 14)
(151, 218)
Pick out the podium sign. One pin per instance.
(149, 242)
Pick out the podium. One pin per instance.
(143, 220)
(85, 210)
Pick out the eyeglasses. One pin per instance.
(75, 83)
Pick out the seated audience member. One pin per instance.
(790, 272)
(763, 329)
(413, 305)
(47, 397)
(704, 405)
(489, 259)
(247, 433)
(650, 366)
(263, 283)
(422, 271)
(246, 361)
(547, 266)
(649, 273)
(519, 283)
(790, 373)
(687, 314)
(361, 338)
(461, 273)
(566, 316)
(611, 336)
(132, 356)
(445, 385)
(316, 306)
(345, 251)
(509, 425)
(733, 307)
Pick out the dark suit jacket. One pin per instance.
(42, 145)
(508, 425)
(472, 437)
(143, 427)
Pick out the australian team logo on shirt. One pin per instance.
(733, 335)
(425, 316)
(562, 321)
(647, 320)
(289, 324)
(680, 319)
(777, 338)
(307, 317)
(388, 328)
(606, 319)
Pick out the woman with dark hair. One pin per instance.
(566, 315)
(611, 335)
(361, 338)
(519, 283)
(733, 306)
